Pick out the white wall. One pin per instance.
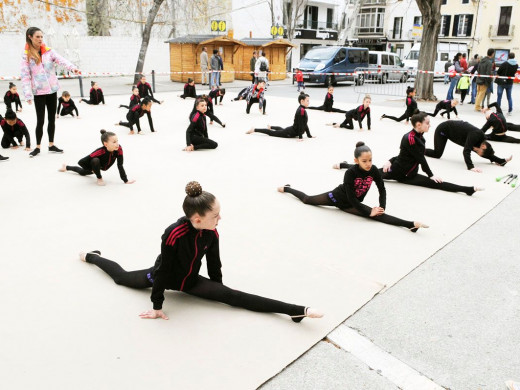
(96, 54)
(251, 16)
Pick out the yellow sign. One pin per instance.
(214, 25)
(277, 30)
(222, 26)
(417, 30)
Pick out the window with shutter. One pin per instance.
(455, 25)
(469, 26)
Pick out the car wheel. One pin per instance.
(404, 78)
(330, 80)
(360, 80)
(384, 78)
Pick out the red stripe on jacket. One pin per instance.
(175, 231)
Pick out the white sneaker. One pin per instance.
(509, 113)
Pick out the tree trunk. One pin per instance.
(146, 38)
(97, 18)
(431, 16)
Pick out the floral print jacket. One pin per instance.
(40, 79)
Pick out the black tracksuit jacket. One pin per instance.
(178, 265)
(106, 159)
(10, 98)
(411, 155)
(11, 133)
(197, 127)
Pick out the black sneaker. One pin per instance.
(55, 149)
(35, 152)
(2, 158)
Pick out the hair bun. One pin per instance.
(360, 143)
(193, 189)
(102, 131)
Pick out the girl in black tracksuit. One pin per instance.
(356, 183)
(497, 122)
(446, 105)
(14, 130)
(101, 159)
(197, 132)
(217, 93)
(135, 99)
(209, 111)
(96, 95)
(255, 94)
(189, 90)
(145, 90)
(468, 136)
(183, 245)
(68, 105)
(404, 167)
(11, 97)
(135, 113)
(357, 114)
(411, 107)
(328, 102)
(299, 126)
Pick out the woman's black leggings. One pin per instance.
(424, 181)
(348, 123)
(406, 116)
(255, 100)
(204, 288)
(202, 143)
(323, 108)
(95, 167)
(325, 199)
(40, 102)
(213, 117)
(277, 131)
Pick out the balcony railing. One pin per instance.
(372, 2)
(501, 32)
(315, 25)
(369, 30)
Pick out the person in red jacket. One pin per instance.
(299, 79)
(184, 244)
(101, 159)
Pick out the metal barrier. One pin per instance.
(383, 82)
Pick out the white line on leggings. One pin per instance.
(388, 366)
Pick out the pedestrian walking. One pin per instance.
(252, 63)
(214, 64)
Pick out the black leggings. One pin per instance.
(91, 102)
(213, 117)
(95, 167)
(131, 124)
(40, 102)
(6, 143)
(503, 138)
(424, 181)
(204, 288)
(322, 108)
(463, 93)
(348, 123)
(277, 131)
(406, 116)
(202, 143)
(325, 199)
(255, 100)
(67, 111)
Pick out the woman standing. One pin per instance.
(41, 84)
(184, 244)
(455, 79)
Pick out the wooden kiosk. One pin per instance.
(275, 51)
(185, 56)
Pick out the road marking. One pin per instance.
(402, 375)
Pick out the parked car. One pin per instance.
(389, 67)
(445, 51)
(333, 59)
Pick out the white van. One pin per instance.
(387, 63)
(445, 51)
